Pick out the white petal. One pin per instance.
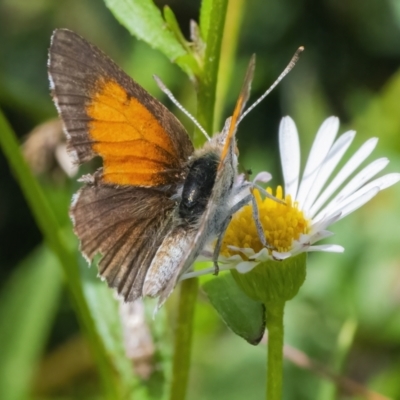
(245, 250)
(246, 266)
(354, 202)
(281, 256)
(361, 154)
(386, 181)
(320, 148)
(331, 248)
(329, 164)
(363, 176)
(290, 155)
(262, 255)
(324, 222)
(297, 247)
(263, 177)
(320, 235)
(381, 183)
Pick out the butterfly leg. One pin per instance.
(266, 194)
(225, 224)
(218, 245)
(256, 217)
(256, 214)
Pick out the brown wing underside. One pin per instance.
(106, 113)
(126, 226)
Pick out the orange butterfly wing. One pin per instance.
(106, 113)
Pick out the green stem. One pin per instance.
(183, 339)
(53, 236)
(207, 85)
(234, 16)
(274, 312)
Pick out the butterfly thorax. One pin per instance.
(198, 187)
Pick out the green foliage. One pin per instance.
(143, 19)
(26, 317)
(243, 315)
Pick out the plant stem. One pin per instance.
(274, 312)
(183, 339)
(234, 16)
(207, 85)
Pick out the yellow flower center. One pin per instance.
(282, 223)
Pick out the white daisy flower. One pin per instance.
(313, 203)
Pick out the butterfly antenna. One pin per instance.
(179, 105)
(288, 68)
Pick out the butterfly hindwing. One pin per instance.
(125, 225)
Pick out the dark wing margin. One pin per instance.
(75, 67)
(126, 225)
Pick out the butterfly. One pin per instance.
(156, 201)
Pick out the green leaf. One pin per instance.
(190, 63)
(243, 315)
(173, 25)
(28, 305)
(143, 19)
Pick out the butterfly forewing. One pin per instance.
(239, 108)
(106, 113)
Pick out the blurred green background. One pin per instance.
(347, 315)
